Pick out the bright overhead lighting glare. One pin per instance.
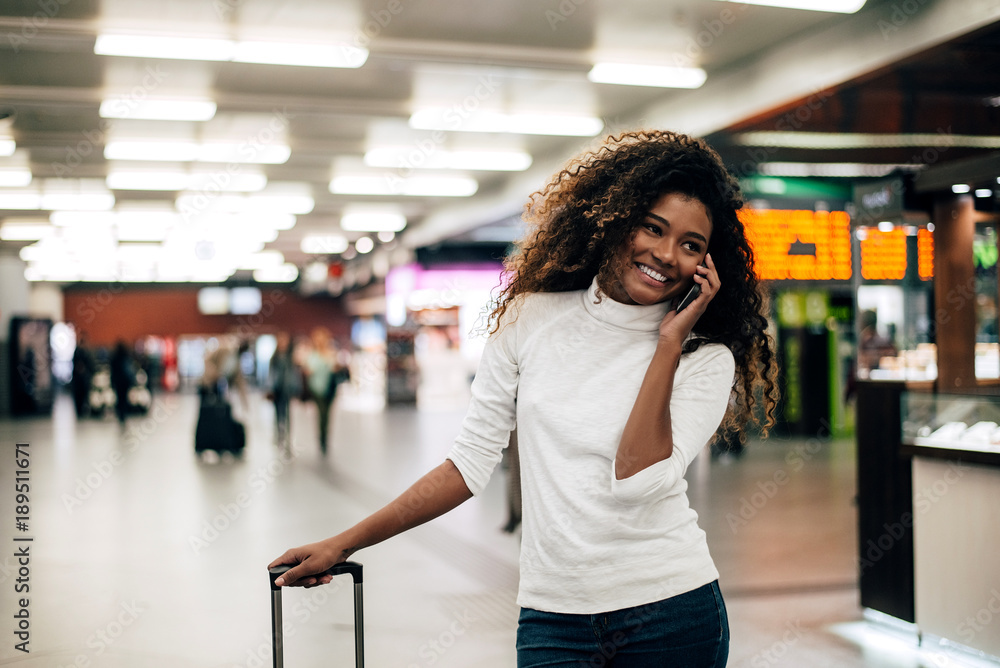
(984, 192)
(361, 220)
(243, 181)
(7, 147)
(385, 236)
(416, 186)
(24, 200)
(850, 140)
(404, 157)
(960, 188)
(658, 76)
(283, 273)
(15, 178)
(830, 169)
(157, 110)
(299, 54)
(11, 231)
(886, 226)
(331, 54)
(128, 180)
(457, 119)
(324, 244)
(252, 153)
(364, 245)
(159, 46)
(166, 151)
(837, 6)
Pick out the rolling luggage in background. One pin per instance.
(277, 643)
(216, 429)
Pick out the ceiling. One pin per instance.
(879, 70)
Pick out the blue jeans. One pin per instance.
(689, 630)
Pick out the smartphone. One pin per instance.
(691, 295)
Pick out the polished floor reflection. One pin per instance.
(146, 556)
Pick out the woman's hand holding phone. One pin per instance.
(679, 321)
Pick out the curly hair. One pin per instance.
(580, 223)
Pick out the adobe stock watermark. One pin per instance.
(30, 25)
(103, 638)
(248, 152)
(975, 624)
(774, 652)
(923, 500)
(294, 618)
(137, 433)
(795, 461)
(431, 650)
(124, 106)
(229, 513)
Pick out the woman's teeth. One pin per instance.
(652, 274)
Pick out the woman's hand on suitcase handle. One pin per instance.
(308, 561)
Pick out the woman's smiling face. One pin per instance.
(665, 251)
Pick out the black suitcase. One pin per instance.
(351, 568)
(216, 429)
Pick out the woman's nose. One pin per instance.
(664, 251)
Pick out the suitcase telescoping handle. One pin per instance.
(351, 568)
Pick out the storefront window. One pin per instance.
(984, 252)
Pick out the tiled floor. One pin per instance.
(144, 556)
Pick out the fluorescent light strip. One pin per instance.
(285, 273)
(157, 110)
(417, 186)
(300, 54)
(262, 202)
(411, 157)
(834, 140)
(181, 151)
(657, 76)
(21, 200)
(360, 220)
(836, 6)
(7, 147)
(158, 46)
(830, 169)
(176, 181)
(12, 231)
(456, 119)
(15, 178)
(168, 151)
(323, 244)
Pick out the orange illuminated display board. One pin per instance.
(800, 245)
(883, 255)
(925, 254)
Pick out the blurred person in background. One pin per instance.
(122, 375)
(223, 376)
(324, 372)
(283, 383)
(83, 376)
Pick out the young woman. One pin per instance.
(613, 392)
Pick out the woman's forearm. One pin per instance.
(437, 492)
(647, 436)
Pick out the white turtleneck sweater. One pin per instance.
(566, 371)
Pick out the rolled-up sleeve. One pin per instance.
(697, 405)
(491, 416)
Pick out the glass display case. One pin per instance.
(951, 421)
